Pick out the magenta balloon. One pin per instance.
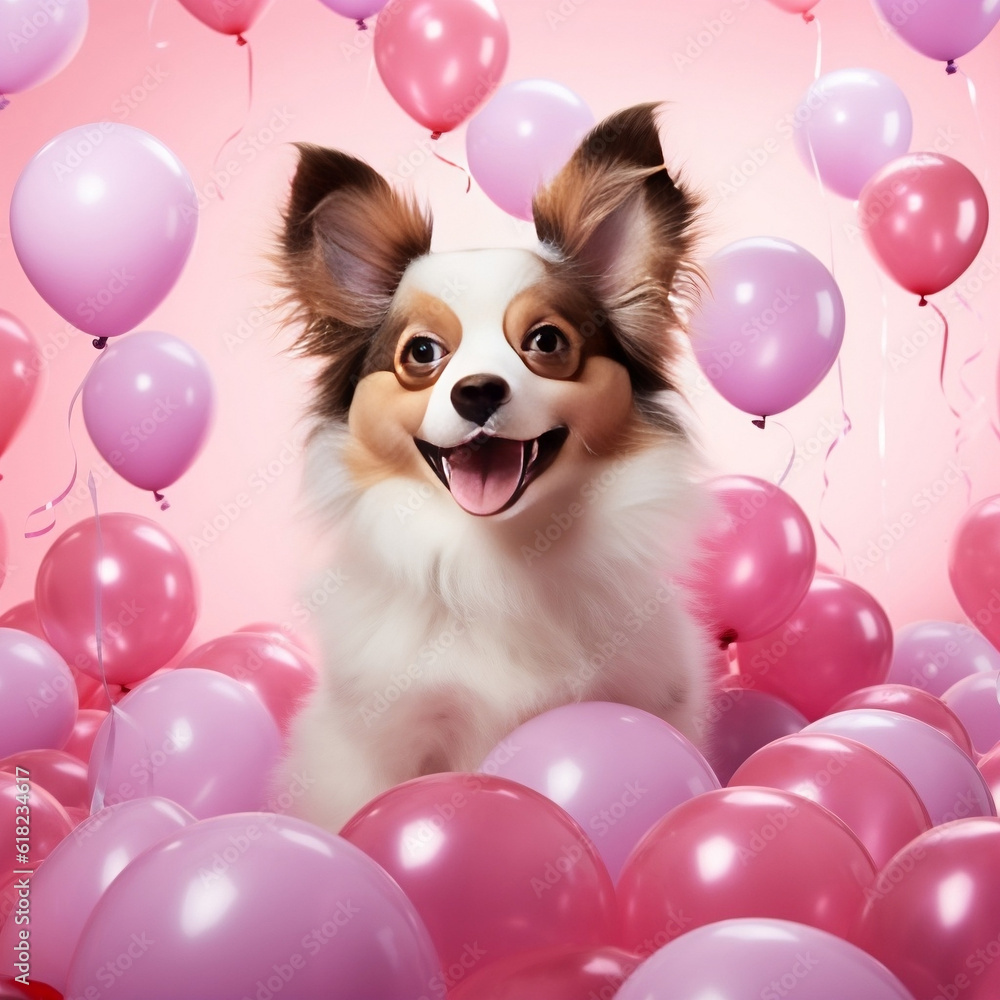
(440, 59)
(522, 138)
(148, 604)
(934, 655)
(756, 561)
(740, 721)
(256, 905)
(19, 374)
(770, 325)
(38, 699)
(193, 736)
(853, 121)
(102, 220)
(837, 640)
(61, 774)
(75, 875)
(615, 770)
(147, 402)
(40, 39)
(754, 958)
(228, 17)
(976, 701)
(974, 566)
(934, 915)
(944, 777)
(940, 29)
(356, 10)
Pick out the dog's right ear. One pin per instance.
(347, 239)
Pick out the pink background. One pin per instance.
(732, 71)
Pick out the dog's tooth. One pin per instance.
(446, 467)
(534, 452)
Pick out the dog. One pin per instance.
(501, 459)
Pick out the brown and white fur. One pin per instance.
(456, 622)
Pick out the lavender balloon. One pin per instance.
(934, 655)
(147, 404)
(356, 10)
(853, 122)
(522, 138)
(976, 702)
(941, 29)
(40, 39)
(102, 220)
(770, 325)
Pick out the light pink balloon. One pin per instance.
(770, 325)
(38, 699)
(440, 59)
(147, 403)
(940, 29)
(796, 6)
(66, 888)
(976, 701)
(102, 220)
(19, 374)
(852, 121)
(81, 740)
(228, 17)
(61, 774)
(40, 39)
(522, 138)
(974, 565)
(989, 768)
(934, 655)
(755, 561)
(47, 826)
(282, 632)
(193, 736)
(356, 10)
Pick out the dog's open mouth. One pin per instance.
(488, 474)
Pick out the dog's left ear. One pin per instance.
(616, 216)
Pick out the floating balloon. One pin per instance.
(61, 774)
(850, 123)
(19, 371)
(81, 740)
(933, 655)
(940, 29)
(121, 211)
(770, 325)
(989, 768)
(615, 770)
(147, 402)
(229, 17)
(797, 7)
(974, 566)
(440, 59)
(838, 640)
(148, 602)
(742, 852)
(522, 138)
(976, 701)
(756, 563)
(356, 10)
(41, 38)
(256, 904)
(26, 844)
(282, 633)
(923, 216)
(933, 916)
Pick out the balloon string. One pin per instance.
(819, 44)
(149, 26)
(983, 339)
(979, 122)
(240, 40)
(845, 429)
(791, 457)
(452, 163)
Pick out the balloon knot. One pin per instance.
(161, 500)
(808, 16)
(3, 102)
(759, 423)
(728, 637)
(240, 40)
(951, 67)
(922, 302)
(100, 343)
(360, 22)
(435, 135)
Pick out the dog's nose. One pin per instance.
(478, 397)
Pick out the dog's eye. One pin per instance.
(422, 351)
(547, 339)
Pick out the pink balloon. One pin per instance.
(909, 701)
(851, 780)
(755, 562)
(934, 915)
(741, 721)
(40, 40)
(19, 373)
(356, 10)
(283, 633)
(147, 402)
(615, 770)
(193, 736)
(257, 905)
(522, 138)
(61, 774)
(81, 740)
(796, 6)
(102, 219)
(761, 959)
(989, 768)
(923, 216)
(933, 655)
(3, 552)
(976, 701)
(230, 17)
(838, 640)
(853, 121)
(24, 618)
(940, 29)
(273, 670)
(440, 59)
(148, 602)
(25, 845)
(944, 777)
(38, 699)
(440, 837)
(974, 566)
(742, 852)
(770, 326)
(75, 875)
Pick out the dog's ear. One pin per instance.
(347, 239)
(615, 215)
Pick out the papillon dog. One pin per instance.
(509, 482)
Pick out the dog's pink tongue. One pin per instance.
(486, 475)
